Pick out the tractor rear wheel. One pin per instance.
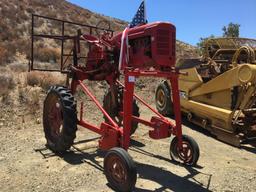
(189, 153)
(59, 118)
(163, 100)
(120, 170)
(113, 110)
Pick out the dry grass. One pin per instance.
(15, 25)
(3, 55)
(46, 65)
(18, 67)
(30, 98)
(20, 63)
(44, 80)
(7, 82)
(30, 95)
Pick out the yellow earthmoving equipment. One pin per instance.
(218, 91)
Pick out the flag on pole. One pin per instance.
(139, 18)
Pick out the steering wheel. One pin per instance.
(249, 52)
(102, 28)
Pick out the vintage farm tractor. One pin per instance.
(151, 53)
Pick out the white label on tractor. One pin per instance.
(131, 79)
(183, 94)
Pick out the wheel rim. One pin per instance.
(186, 153)
(55, 116)
(116, 170)
(161, 98)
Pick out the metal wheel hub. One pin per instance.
(161, 98)
(55, 116)
(117, 170)
(186, 153)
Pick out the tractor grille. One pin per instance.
(173, 44)
(163, 42)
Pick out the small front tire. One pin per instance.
(120, 170)
(189, 154)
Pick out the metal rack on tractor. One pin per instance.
(151, 53)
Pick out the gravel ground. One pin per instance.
(26, 165)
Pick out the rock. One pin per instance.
(38, 121)
(99, 159)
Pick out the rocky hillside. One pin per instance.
(185, 51)
(15, 23)
(15, 26)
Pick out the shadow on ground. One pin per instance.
(249, 146)
(168, 180)
(164, 178)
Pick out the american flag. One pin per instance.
(140, 17)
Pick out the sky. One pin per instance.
(193, 18)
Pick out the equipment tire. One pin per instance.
(163, 99)
(191, 154)
(59, 118)
(114, 112)
(120, 170)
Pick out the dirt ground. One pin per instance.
(26, 165)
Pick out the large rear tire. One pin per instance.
(113, 110)
(120, 170)
(163, 99)
(59, 119)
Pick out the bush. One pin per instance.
(34, 78)
(47, 54)
(44, 80)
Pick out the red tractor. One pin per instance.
(151, 52)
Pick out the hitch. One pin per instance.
(161, 128)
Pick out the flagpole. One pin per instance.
(145, 13)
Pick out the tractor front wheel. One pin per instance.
(120, 170)
(59, 119)
(188, 154)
